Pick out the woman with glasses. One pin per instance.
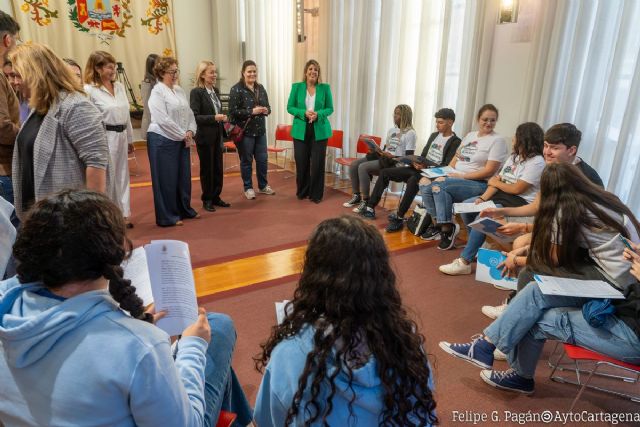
(169, 140)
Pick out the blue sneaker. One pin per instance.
(508, 380)
(479, 351)
(368, 213)
(395, 224)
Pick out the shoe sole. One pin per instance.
(456, 231)
(490, 316)
(448, 273)
(485, 377)
(445, 346)
(429, 239)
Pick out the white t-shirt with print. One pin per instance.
(604, 245)
(475, 152)
(436, 150)
(528, 171)
(397, 143)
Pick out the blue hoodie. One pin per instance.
(280, 383)
(84, 362)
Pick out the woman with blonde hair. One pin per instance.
(169, 141)
(63, 143)
(207, 109)
(401, 140)
(310, 104)
(111, 99)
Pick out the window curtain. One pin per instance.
(588, 73)
(267, 31)
(427, 54)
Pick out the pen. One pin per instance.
(626, 242)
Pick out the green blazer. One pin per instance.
(323, 107)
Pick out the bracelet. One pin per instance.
(480, 197)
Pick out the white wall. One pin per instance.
(506, 77)
(5, 6)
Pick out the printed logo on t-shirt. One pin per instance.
(468, 151)
(508, 174)
(392, 143)
(435, 152)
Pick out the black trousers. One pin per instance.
(310, 158)
(211, 171)
(397, 174)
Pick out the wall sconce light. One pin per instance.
(508, 13)
(300, 11)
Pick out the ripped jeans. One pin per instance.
(438, 197)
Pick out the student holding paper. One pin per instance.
(439, 151)
(401, 140)
(516, 184)
(576, 235)
(70, 323)
(347, 353)
(480, 156)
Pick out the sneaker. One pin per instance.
(354, 200)
(478, 352)
(493, 312)
(448, 240)
(368, 213)
(361, 207)
(431, 233)
(395, 224)
(392, 216)
(498, 355)
(456, 268)
(508, 380)
(250, 194)
(267, 190)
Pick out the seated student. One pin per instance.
(516, 185)
(401, 140)
(347, 353)
(576, 234)
(440, 149)
(480, 156)
(561, 142)
(65, 327)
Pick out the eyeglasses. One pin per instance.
(174, 72)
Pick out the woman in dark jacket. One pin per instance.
(248, 107)
(207, 109)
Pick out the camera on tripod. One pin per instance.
(122, 78)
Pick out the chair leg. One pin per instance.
(575, 400)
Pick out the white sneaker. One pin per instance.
(267, 190)
(250, 194)
(493, 312)
(362, 206)
(498, 355)
(457, 267)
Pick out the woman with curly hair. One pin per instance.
(71, 323)
(346, 330)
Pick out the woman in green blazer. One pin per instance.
(310, 104)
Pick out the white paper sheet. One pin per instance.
(487, 269)
(136, 270)
(437, 172)
(280, 314)
(550, 285)
(490, 227)
(472, 207)
(7, 234)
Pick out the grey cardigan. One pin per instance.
(71, 138)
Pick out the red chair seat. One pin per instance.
(229, 145)
(579, 353)
(226, 419)
(345, 161)
(275, 149)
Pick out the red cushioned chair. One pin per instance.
(229, 146)
(361, 148)
(597, 360)
(226, 419)
(283, 133)
(336, 141)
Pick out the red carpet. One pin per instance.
(447, 308)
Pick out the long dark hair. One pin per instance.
(347, 291)
(529, 141)
(76, 235)
(149, 76)
(566, 197)
(245, 65)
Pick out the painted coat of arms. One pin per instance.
(104, 19)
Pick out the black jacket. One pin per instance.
(209, 131)
(449, 150)
(241, 102)
(628, 309)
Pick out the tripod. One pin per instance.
(122, 78)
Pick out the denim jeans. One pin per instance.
(222, 389)
(439, 197)
(532, 317)
(475, 238)
(253, 147)
(6, 188)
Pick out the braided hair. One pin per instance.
(347, 292)
(77, 235)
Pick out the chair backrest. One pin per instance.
(283, 133)
(362, 147)
(336, 139)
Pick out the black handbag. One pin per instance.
(419, 221)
